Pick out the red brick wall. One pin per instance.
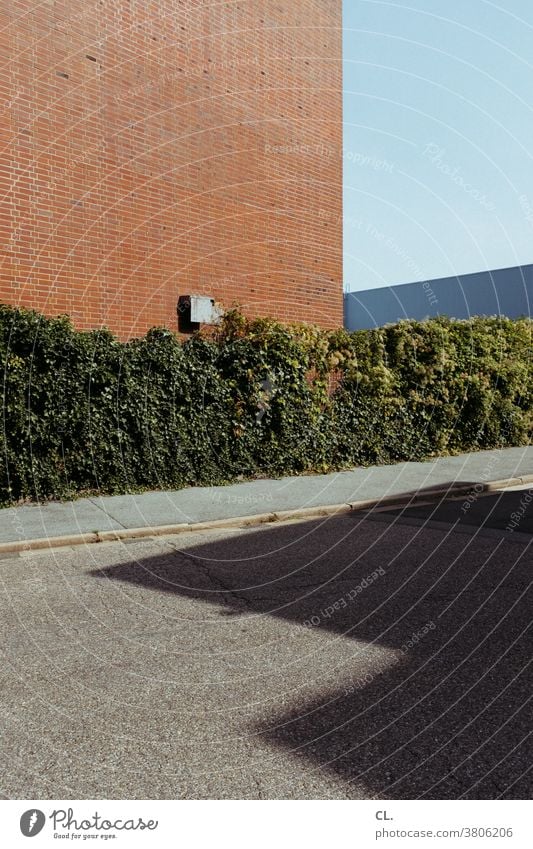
(153, 149)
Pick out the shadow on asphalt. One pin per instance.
(510, 511)
(451, 718)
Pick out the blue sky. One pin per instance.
(438, 138)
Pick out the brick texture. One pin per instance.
(155, 148)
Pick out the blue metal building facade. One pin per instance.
(506, 291)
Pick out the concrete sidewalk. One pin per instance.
(97, 516)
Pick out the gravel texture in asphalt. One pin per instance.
(340, 658)
(510, 510)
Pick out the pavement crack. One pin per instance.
(107, 514)
(227, 593)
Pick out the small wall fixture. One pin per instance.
(194, 310)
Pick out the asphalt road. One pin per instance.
(510, 510)
(343, 658)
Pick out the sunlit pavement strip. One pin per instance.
(204, 504)
(339, 658)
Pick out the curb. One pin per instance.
(390, 501)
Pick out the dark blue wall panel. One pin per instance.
(507, 291)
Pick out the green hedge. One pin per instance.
(84, 412)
